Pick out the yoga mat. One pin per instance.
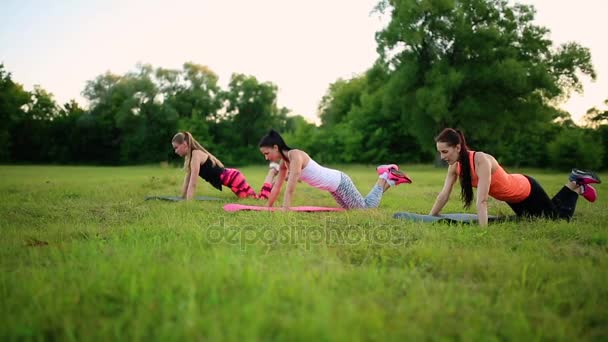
(177, 198)
(238, 207)
(448, 218)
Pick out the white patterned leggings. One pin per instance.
(348, 197)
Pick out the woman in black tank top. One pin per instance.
(201, 163)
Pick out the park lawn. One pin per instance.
(84, 257)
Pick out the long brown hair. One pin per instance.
(453, 137)
(182, 137)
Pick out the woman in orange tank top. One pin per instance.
(521, 192)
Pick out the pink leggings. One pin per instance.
(235, 180)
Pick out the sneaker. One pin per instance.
(274, 166)
(589, 193)
(398, 176)
(385, 168)
(582, 177)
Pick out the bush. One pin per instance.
(575, 147)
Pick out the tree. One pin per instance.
(195, 97)
(575, 146)
(64, 137)
(340, 98)
(597, 119)
(127, 121)
(101, 138)
(12, 101)
(34, 127)
(132, 117)
(479, 65)
(362, 125)
(192, 93)
(250, 111)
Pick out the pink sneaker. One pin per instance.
(589, 193)
(398, 177)
(385, 168)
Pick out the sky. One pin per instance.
(300, 46)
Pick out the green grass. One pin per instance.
(84, 257)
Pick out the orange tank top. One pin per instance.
(512, 188)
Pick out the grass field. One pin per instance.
(84, 257)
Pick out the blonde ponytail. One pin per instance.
(194, 145)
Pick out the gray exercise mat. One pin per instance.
(446, 218)
(178, 198)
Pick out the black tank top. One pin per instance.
(211, 173)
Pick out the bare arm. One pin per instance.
(444, 195)
(186, 181)
(276, 187)
(197, 158)
(483, 166)
(296, 158)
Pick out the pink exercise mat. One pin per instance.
(237, 207)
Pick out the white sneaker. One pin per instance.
(275, 166)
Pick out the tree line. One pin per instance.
(482, 66)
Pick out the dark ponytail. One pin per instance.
(274, 138)
(454, 137)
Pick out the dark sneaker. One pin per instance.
(385, 168)
(589, 193)
(582, 177)
(398, 177)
